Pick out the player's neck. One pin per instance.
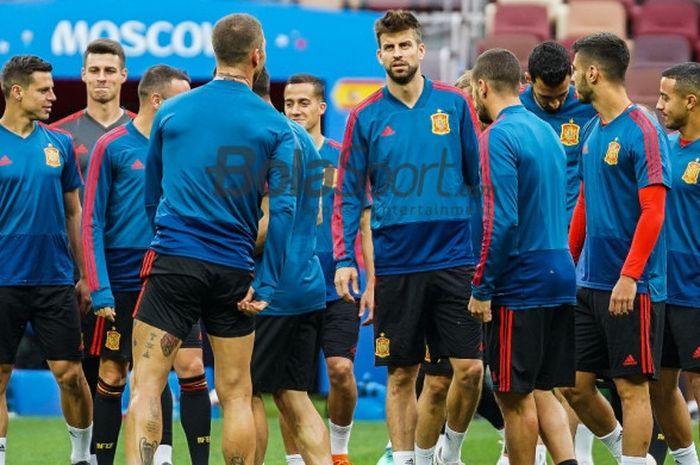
(691, 131)
(500, 103)
(143, 122)
(106, 113)
(408, 93)
(231, 73)
(17, 123)
(315, 133)
(611, 102)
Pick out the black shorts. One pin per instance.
(428, 307)
(284, 354)
(681, 347)
(436, 366)
(194, 339)
(54, 315)
(178, 291)
(341, 329)
(621, 346)
(531, 348)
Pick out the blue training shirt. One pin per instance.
(330, 154)
(116, 229)
(567, 122)
(682, 205)
(211, 152)
(35, 172)
(422, 166)
(525, 258)
(617, 160)
(302, 287)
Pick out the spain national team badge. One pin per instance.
(612, 153)
(381, 346)
(441, 123)
(330, 176)
(427, 354)
(52, 156)
(569, 133)
(690, 176)
(113, 339)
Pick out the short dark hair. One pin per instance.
(607, 51)
(398, 21)
(19, 69)
(687, 76)
(261, 86)
(549, 62)
(105, 47)
(499, 67)
(235, 36)
(319, 87)
(157, 77)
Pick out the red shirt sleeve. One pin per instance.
(652, 200)
(577, 229)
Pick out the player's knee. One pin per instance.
(401, 377)
(577, 395)
(193, 366)
(468, 373)
(340, 373)
(113, 373)
(5, 372)
(232, 390)
(71, 379)
(435, 388)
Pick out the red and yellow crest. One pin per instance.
(330, 177)
(690, 176)
(53, 158)
(441, 123)
(612, 153)
(381, 346)
(569, 133)
(113, 340)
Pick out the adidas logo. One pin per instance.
(696, 354)
(137, 165)
(2, 448)
(387, 131)
(81, 149)
(629, 361)
(4, 161)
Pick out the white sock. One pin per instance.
(613, 441)
(404, 457)
(388, 444)
(340, 438)
(294, 459)
(440, 442)
(629, 460)
(80, 443)
(452, 449)
(685, 456)
(424, 456)
(164, 454)
(3, 446)
(541, 454)
(93, 460)
(583, 444)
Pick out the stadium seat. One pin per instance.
(583, 17)
(522, 19)
(520, 44)
(660, 50)
(643, 84)
(671, 17)
(326, 4)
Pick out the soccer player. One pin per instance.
(414, 141)
(551, 96)
(103, 73)
(287, 337)
(621, 273)
(116, 234)
(304, 104)
(679, 104)
(206, 170)
(39, 230)
(525, 283)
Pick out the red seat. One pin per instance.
(668, 17)
(642, 84)
(522, 19)
(520, 44)
(660, 50)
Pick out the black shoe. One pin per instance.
(84, 462)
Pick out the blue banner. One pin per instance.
(337, 46)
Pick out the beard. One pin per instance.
(584, 94)
(402, 79)
(482, 113)
(674, 124)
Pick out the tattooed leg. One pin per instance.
(153, 353)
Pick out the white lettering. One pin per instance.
(133, 38)
(67, 40)
(152, 39)
(104, 29)
(180, 36)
